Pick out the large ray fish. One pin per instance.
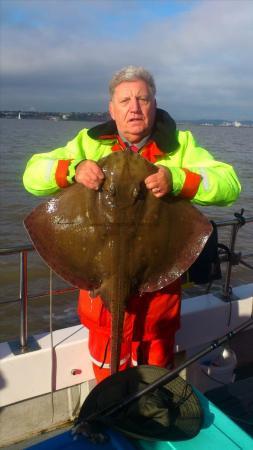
(120, 239)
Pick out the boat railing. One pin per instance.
(230, 258)
(24, 343)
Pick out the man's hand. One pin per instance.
(159, 183)
(89, 174)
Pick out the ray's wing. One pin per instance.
(172, 235)
(69, 235)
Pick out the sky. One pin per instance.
(59, 55)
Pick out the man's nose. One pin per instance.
(135, 105)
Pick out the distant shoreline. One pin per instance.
(56, 116)
(104, 116)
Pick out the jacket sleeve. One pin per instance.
(46, 173)
(198, 176)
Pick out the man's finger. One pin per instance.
(96, 172)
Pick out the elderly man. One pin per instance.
(185, 170)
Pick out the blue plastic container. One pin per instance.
(66, 441)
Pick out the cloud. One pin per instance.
(60, 55)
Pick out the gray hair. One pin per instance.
(132, 73)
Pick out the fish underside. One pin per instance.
(120, 239)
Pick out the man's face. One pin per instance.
(133, 108)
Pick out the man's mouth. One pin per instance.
(136, 119)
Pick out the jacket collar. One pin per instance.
(163, 133)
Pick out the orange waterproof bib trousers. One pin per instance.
(150, 323)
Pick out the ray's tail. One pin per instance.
(119, 296)
(116, 334)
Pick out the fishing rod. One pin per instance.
(164, 379)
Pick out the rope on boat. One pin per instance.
(51, 341)
(53, 357)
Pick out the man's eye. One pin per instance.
(124, 101)
(144, 99)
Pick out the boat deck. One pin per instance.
(236, 400)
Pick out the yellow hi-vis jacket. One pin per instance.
(195, 173)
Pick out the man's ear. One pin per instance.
(111, 110)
